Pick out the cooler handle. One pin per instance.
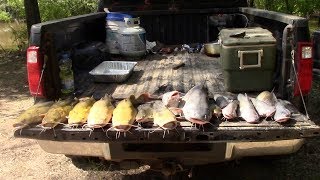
(243, 66)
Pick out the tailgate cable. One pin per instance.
(297, 79)
(41, 75)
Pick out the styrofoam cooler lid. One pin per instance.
(115, 16)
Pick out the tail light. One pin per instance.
(34, 68)
(305, 59)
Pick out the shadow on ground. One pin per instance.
(13, 76)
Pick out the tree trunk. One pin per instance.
(288, 7)
(251, 3)
(268, 4)
(32, 13)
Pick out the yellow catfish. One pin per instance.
(163, 117)
(100, 113)
(79, 114)
(124, 115)
(57, 113)
(32, 115)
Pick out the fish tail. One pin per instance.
(274, 97)
(107, 96)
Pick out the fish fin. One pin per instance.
(42, 115)
(45, 125)
(273, 90)
(18, 126)
(275, 97)
(108, 96)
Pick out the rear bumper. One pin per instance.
(217, 152)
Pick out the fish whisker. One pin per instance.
(134, 126)
(164, 134)
(177, 130)
(43, 130)
(108, 131)
(54, 132)
(158, 128)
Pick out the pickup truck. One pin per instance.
(174, 23)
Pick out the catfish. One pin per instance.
(57, 113)
(264, 109)
(100, 113)
(247, 110)
(282, 114)
(79, 114)
(230, 111)
(196, 108)
(124, 116)
(33, 115)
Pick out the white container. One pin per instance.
(114, 22)
(132, 38)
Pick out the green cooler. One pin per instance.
(248, 58)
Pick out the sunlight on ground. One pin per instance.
(7, 41)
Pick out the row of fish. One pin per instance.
(93, 114)
(198, 109)
(193, 106)
(252, 109)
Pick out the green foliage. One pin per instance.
(49, 9)
(4, 16)
(57, 9)
(14, 8)
(11, 10)
(298, 7)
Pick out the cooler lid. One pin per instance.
(115, 16)
(246, 36)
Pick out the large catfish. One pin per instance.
(263, 109)
(196, 108)
(283, 114)
(247, 110)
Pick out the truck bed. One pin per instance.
(155, 74)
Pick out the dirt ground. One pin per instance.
(24, 159)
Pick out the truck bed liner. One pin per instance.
(156, 71)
